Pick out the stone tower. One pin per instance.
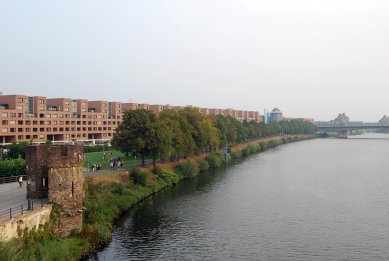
(56, 172)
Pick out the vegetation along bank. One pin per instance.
(186, 143)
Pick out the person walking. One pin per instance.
(20, 181)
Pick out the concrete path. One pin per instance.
(12, 196)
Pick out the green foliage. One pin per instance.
(174, 134)
(236, 154)
(188, 168)
(139, 176)
(136, 133)
(95, 148)
(13, 167)
(215, 160)
(169, 176)
(16, 150)
(263, 146)
(273, 143)
(253, 148)
(204, 165)
(246, 151)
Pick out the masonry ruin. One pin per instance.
(56, 172)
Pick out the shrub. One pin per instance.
(204, 165)
(157, 170)
(246, 151)
(273, 143)
(188, 168)
(13, 167)
(118, 188)
(169, 176)
(95, 148)
(263, 146)
(214, 161)
(236, 154)
(139, 176)
(253, 148)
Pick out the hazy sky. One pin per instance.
(309, 58)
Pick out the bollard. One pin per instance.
(10, 212)
(21, 206)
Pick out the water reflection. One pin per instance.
(314, 200)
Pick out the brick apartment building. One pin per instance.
(38, 119)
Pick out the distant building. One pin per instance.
(384, 120)
(276, 115)
(38, 119)
(342, 119)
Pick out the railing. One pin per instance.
(23, 208)
(10, 179)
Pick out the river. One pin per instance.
(323, 199)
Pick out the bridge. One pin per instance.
(345, 128)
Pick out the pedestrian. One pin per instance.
(104, 155)
(111, 165)
(20, 181)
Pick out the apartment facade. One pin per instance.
(38, 119)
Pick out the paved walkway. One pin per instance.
(12, 195)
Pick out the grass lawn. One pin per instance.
(97, 158)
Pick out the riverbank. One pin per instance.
(107, 196)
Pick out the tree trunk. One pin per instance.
(143, 160)
(154, 162)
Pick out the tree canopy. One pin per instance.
(173, 134)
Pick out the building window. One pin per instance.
(41, 108)
(4, 114)
(41, 101)
(20, 100)
(4, 130)
(66, 109)
(19, 107)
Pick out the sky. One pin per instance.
(309, 58)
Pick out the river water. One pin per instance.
(323, 199)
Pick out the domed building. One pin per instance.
(275, 115)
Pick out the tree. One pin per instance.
(172, 119)
(133, 132)
(16, 150)
(159, 140)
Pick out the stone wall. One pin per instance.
(29, 220)
(36, 158)
(63, 167)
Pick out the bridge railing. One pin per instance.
(22, 208)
